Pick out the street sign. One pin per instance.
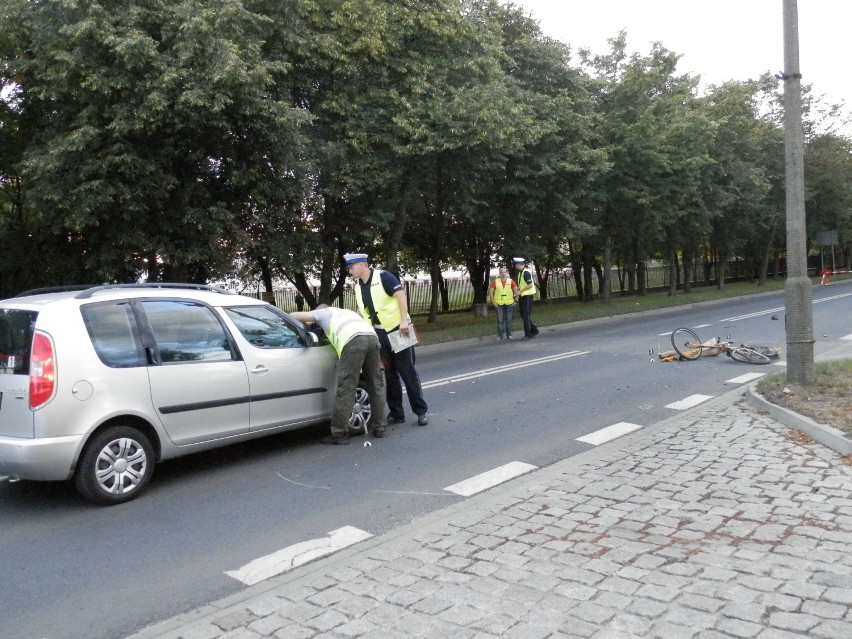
(826, 238)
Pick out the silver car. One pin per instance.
(100, 384)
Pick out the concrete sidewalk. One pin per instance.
(720, 522)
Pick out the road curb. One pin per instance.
(825, 435)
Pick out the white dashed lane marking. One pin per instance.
(609, 433)
(293, 556)
(288, 558)
(689, 402)
(490, 478)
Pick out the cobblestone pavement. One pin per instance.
(717, 523)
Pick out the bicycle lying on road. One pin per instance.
(689, 347)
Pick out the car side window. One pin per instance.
(187, 332)
(113, 331)
(264, 328)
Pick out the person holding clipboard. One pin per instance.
(382, 301)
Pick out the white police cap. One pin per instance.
(518, 260)
(352, 258)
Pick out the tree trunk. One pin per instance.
(641, 275)
(393, 238)
(672, 288)
(265, 272)
(301, 284)
(630, 271)
(576, 269)
(606, 285)
(587, 276)
(542, 278)
(437, 280)
(721, 269)
(688, 264)
(479, 268)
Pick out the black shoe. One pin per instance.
(396, 420)
(422, 420)
(378, 433)
(335, 440)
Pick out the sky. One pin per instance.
(719, 40)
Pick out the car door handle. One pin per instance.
(260, 370)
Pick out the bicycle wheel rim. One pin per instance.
(748, 356)
(686, 343)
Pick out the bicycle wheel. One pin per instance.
(686, 343)
(748, 356)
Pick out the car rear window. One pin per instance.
(112, 329)
(16, 338)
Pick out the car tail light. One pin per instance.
(42, 371)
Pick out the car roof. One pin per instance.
(215, 296)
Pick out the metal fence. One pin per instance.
(460, 292)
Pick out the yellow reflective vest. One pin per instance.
(387, 308)
(522, 283)
(503, 292)
(344, 326)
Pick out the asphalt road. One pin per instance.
(71, 570)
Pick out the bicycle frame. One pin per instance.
(689, 347)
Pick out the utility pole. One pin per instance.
(797, 287)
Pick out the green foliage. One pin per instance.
(171, 140)
(828, 204)
(146, 128)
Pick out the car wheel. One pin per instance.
(116, 466)
(361, 411)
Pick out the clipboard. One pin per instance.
(399, 343)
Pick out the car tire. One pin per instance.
(116, 465)
(362, 410)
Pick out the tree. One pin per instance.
(828, 197)
(655, 140)
(151, 124)
(738, 183)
